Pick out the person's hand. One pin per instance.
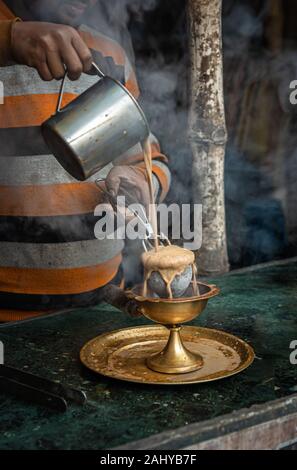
(118, 298)
(129, 181)
(49, 48)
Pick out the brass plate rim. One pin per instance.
(219, 376)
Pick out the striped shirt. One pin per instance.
(49, 256)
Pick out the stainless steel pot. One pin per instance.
(101, 124)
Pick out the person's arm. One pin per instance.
(134, 161)
(47, 47)
(5, 42)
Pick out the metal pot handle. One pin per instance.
(100, 74)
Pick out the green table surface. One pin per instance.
(257, 305)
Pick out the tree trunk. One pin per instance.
(207, 133)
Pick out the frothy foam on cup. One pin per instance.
(169, 261)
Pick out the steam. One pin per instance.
(241, 24)
(258, 180)
(112, 18)
(162, 72)
(262, 145)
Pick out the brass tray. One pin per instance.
(122, 354)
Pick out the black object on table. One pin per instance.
(38, 390)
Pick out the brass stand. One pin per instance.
(175, 358)
(172, 313)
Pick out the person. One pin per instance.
(49, 256)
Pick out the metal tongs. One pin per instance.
(148, 241)
(39, 390)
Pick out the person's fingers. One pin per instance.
(144, 194)
(55, 64)
(39, 62)
(72, 61)
(113, 183)
(44, 72)
(129, 182)
(83, 52)
(115, 296)
(135, 191)
(130, 191)
(133, 309)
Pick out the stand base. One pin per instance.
(123, 354)
(175, 358)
